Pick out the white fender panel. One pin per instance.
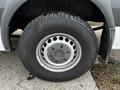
(1, 43)
(116, 44)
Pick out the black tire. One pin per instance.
(57, 23)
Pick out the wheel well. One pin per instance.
(34, 8)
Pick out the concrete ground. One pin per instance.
(12, 77)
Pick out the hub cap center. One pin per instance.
(59, 53)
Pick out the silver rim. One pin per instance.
(58, 52)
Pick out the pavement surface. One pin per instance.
(12, 76)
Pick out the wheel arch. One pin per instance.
(108, 33)
(12, 6)
(10, 9)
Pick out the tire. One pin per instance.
(53, 25)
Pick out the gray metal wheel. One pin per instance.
(58, 52)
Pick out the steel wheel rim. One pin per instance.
(59, 59)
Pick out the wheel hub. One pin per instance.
(58, 52)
